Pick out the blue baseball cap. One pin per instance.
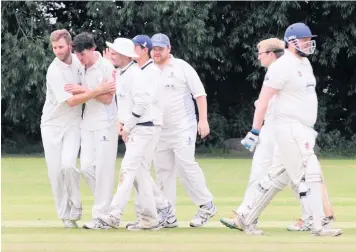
(160, 40)
(143, 40)
(297, 31)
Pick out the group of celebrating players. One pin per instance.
(138, 91)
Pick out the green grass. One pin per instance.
(29, 221)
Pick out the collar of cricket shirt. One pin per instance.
(149, 62)
(61, 64)
(123, 70)
(98, 62)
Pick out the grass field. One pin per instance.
(29, 221)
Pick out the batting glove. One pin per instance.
(250, 140)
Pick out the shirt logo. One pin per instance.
(171, 75)
(299, 73)
(190, 141)
(104, 139)
(169, 86)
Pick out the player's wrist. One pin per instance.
(255, 131)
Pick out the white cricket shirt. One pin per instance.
(153, 74)
(297, 99)
(55, 111)
(98, 115)
(135, 89)
(180, 83)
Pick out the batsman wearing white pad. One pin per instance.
(294, 114)
(176, 147)
(60, 127)
(269, 51)
(98, 129)
(139, 123)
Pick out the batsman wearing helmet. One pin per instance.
(291, 82)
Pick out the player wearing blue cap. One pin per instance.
(292, 82)
(143, 47)
(176, 148)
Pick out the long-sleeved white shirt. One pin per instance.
(136, 92)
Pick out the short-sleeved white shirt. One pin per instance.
(133, 83)
(56, 112)
(297, 99)
(98, 115)
(180, 83)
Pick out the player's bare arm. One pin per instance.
(203, 125)
(262, 105)
(103, 88)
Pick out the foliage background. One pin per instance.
(217, 38)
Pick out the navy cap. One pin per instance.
(143, 40)
(160, 40)
(297, 31)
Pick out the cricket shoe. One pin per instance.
(171, 222)
(239, 224)
(96, 224)
(167, 216)
(327, 232)
(69, 224)
(306, 225)
(327, 221)
(110, 220)
(132, 223)
(301, 225)
(140, 226)
(203, 215)
(75, 213)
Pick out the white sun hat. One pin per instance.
(123, 46)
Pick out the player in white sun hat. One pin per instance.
(139, 124)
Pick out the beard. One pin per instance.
(65, 56)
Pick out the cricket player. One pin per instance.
(60, 127)
(176, 147)
(294, 109)
(143, 47)
(139, 123)
(269, 51)
(99, 138)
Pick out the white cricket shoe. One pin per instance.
(132, 223)
(75, 213)
(139, 226)
(171, 222)
(238, 223)
(301, 225)
(69, 224)
(96, 224)
(110, 220)
(327, 232)
(202, 216)
(327, 221)
(168, 217)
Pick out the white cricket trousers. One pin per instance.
(135, 167)
(261, 163)
(61, 147)
(98, 160)
(296, 145)
(175, 153)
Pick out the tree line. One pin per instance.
(218, 38)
